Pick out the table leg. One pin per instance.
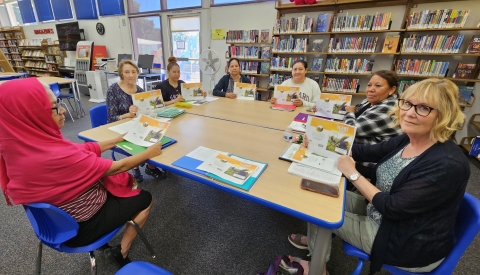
(78, 102)
(319, 253)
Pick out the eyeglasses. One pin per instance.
(420, 109)
(58, 106)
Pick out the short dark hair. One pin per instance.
(231, 59)
(305, 64)
(390, 76)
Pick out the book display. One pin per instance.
(474, 46)
(149, 103)
(333, 105)
(192, 91)
(10, 38)
(245, 90)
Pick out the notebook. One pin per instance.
(170, 113)
(135, 149)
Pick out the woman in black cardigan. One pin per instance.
(417, 186)
(224, 87)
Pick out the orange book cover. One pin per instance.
(464, 70)
(391, 44)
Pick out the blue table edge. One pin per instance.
(245, 195)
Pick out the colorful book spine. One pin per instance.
(432, 43)
(422, 67)
(349, 23)
(291, 44)
(244, 51)
(302, 24)
(438, 19)
(352, 44)
(283, 63)
(345, 65)
(404, 84)
(342, 84)
(277, 79)
(242, 36)
(250, 67)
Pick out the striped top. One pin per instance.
(87, 204)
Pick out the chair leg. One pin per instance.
(68, 110)
(359, 267)
(38, 265)
(68, 99)
(93, 264)
(142, 236)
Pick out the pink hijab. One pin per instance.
(36, 163)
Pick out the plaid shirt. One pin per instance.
(374, 125)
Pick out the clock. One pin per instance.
(100, 28)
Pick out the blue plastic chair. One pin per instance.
(55, 87)
(143, 268)
(466, 228)
(98, 117)
(54, 227)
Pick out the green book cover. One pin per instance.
(135, 149)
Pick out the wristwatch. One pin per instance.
(353, 177)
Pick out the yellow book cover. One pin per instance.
(391, 44)
(148, 102)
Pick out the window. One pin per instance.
(44, 10)
(14, 13)
(185, 41)
(4, 21)
(175, 4)
(135, 6)
(85, 9)
(26, 10)
(221, 2)
(62, 9)
(147, 37)
(110, 7)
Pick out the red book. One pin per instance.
(283, 107)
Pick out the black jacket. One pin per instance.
(419, 212)
(222, 85)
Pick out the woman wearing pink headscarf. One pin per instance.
(96, 192)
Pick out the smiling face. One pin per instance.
(174, 73)
(129, 74)
(378, 89)
(299, 72)
(60, 116)
(234, 68)
(413, 124)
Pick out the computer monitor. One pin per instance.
(124, 56)
(145, 61)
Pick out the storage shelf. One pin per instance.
(442, 54)
(444, 29)
(449, 78)
(353, 94)
(249, 43)
(296, 53)
(54, 54)
(370, 31)
(250, 59)
(255, 74)
(300, 33)
(362, 53)
(289, 71)
(354, 74)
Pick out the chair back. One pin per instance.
(98, 115)
(55, 87)
(52, 225)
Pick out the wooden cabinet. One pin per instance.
(10, 59)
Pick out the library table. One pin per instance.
(73, 83)
(253, 112)
(16, 75)
(275, 188)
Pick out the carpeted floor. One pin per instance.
(195, 229)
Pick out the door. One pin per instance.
(185, 45)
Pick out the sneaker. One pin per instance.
(156, 172)
(137, 175)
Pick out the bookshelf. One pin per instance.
(41, 57)
(9, 40)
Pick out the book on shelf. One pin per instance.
(251, 67)
(379, 21)
(347, 65)
(302, 24)
(475, 149)
(265, 53)
(244, 51)
(283, 63)
(317, 64)
(352, 44)
(192, 91)
(242, 36)
(324, 21)
(474, 46)
(245, 90)
(404, 84)
(333, 105)
(464, 70)
(342, 84)
(265, 68)
(391, 44)
(327, 141)
(465, 93)
(149, 103)
(291, 44)
(317, 45)
(422, 67)
(437, 19)
(222, 166)
(264, 36)
(432, 43)
(277, 79)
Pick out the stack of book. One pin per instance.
(379, 21)
(293, 25)
(432, 43)
(244, 36)
(344, 85)
(283, 63)
(291, 44)
(277, 79)
(352, 44)
(422, 67)
(346, 65)
(244, 51)
(250, 67)
(437, 19)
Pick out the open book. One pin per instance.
(149, 103)
(333, 105)
(245, 90)
(146, 131)
(285, 96)
(327, 141)
(192, 91)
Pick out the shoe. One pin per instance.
(114, 254)
(137, 175)
(156, 172)
(297, 242)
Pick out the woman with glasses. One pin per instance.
(46, 167)
(120, 106)
(417, 186)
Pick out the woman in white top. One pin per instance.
(309, 89)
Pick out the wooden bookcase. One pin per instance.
(11, 54)
(40, 57)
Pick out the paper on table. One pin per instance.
(203, 153)
(146, 131)
(298, 126)
(123, 128)
(259, 169)
(326, 164)
(228, 168)
(311, 173)
(290, 151)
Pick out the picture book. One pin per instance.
(391, 44)
(245, 90)
(285, 94)
(323, 22)
(264, 36)
(146, 131)
(317, 64)
(465, 93)
(149, 103)
(265, 53)
(475, 149)
(474, 46)
(265, 68)
(192, 91)
(333, 105)
(464, 70)
(170, 113)
(222, 166)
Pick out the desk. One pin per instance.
(16, 75)
(275, 188)
(251, 112)
(73, 83)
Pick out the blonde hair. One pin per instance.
(123, 63)
(442, 95)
